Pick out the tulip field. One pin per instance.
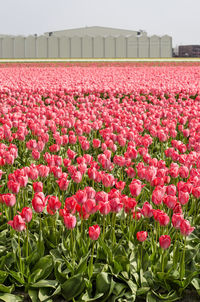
(100, 182)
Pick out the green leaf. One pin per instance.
(118, 288)
(106, 249)
(7, 260)
(33, 258)
(17, 276)
(143, 280)
(149, 277)
(68, 264)
(33, 294)
(196, 283)
(117, 267)
(82, 267)
(143, 291)
(150, 298)
(2, 249)
(73, 287)
(189, 278)
(44, 294)
(133, 287)
(125, 275)
(86, 297)
(10, 298)
(171, 296)
(56, 255)
(136, 277)
(6, 289)
(103, 282)
(36, 275)
(3, 276)
(46, 283)
(42, 269)
(129, 297)
(14, 244)
(60, 276)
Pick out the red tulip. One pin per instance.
(36, 154)
(54, 203)
(101, 196)
(165, 241)
(171, 190)
(90, 206)
(43, 170)
(146, 210)
(76, 177)
(9, 199)
(185, 228)
(63, 183)
(170, 201)
(138, 215)
(38, 187)
(135, 187)
(96, 143)
(183, 197)
(94, 232)
(163, 219)
(158, 194)
(38, 202)
(141, 236)
(70, 221)
(176, 220)
(18, 223)
(71, 154)
(81, 196)
(13, 186)
(26, 214)
(104, 207)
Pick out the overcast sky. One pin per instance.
(177, 18)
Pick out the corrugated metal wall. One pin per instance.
(85, 47)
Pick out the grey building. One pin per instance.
(192, 51)
(87, 42)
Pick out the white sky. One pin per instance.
(177, 18)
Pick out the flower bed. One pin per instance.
(100, 182)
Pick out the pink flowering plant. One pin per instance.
(99, 182)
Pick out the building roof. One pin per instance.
(93, 31)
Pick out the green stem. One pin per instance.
(20, 260)
(55, 230)
(63, 198)
(72, 246)
(27, 241)
(113, 228)
(182, 265)
(163, 261)
(40, 227)
(104, 226)
(81, 223)
(90, 271)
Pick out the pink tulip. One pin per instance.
(94, 232)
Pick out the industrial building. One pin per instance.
(192, 51)
(87, 42)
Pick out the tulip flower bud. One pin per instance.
(141, 236)
(38, 187)
(9, 199)
(18, 223)
(186, 228)
(165, 241)
(69, 221)
(94, 232)
(26, 214)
